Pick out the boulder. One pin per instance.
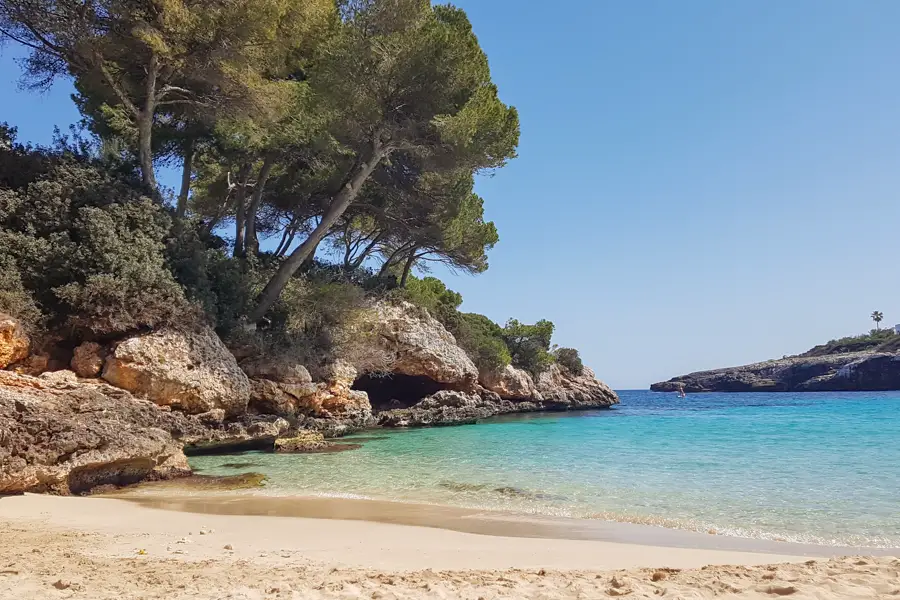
(69, 438)
(330, 405)
(14, 342)
(279, 369)
(421, 346)
(190, 371)
(61, 379)
(561, 389)
(87, 359)
(34, 365)
(303, 441)
(510, 383)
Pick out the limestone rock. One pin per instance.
(421, 346)
(14, 342)
(303, 441)
(330, 406)
(87, 360)
(189, 371)
(61, 379)
(279, 369)
(446, 407)
(34, 365)
(563, 389)
(64, 438)
(510, 383)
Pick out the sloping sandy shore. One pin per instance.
(101, 548)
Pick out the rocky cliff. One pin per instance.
(854, 371)
(128, 410)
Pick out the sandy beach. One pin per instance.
(108, 548)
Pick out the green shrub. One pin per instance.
(87, 246)
(15, 300)
(529, 345)
(859, 343)
(570, 359)
(480, 338)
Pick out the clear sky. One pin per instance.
(700, 183)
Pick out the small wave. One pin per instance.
(741, 532)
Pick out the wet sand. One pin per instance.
(102, 548)
(492, 523)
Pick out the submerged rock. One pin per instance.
(303, 441)
(189, 371)
(311, 442)
(14, 342)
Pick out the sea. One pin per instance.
(820, 468)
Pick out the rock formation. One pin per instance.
(287, 390)
(555, 389)
(14, 343)
(421, 346)
(66, 438)
(510, 383)
(87, 359)
(168, 393)
(853, 371)
(190, 371)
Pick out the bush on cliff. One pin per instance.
(86, 245)
(570, 359)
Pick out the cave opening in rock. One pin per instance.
(395, 390)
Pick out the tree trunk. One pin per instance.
(186, 170)
(144, 120)
(239, 210)
(251, 241)
(339, 204)
(408, 267)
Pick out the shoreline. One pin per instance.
(111, 549)
(483, 522)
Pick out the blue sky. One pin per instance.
(700, 183)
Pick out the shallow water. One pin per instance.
(818, 468)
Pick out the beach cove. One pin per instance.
(103, 549)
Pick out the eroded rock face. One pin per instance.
(330, 406)
(510, 383)
(561, 389)
(279, 369)
(63, 438)
(422, 347)
(14, 342)
(446, 407)
(190, 371)
(87, 359)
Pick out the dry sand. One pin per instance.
(98, 548)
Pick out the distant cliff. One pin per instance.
(850, 371)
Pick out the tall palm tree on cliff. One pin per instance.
(877, 316)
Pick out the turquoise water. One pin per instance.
(819, 467)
